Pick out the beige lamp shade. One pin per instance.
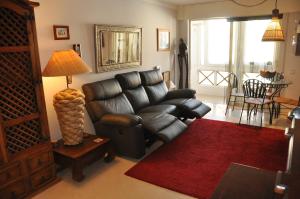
(274, 31)
(65, 63)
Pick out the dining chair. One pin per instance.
(275, 78)
(232, 91)
(255, 95)
(283, 102)
(278, 77)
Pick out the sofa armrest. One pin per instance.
(123, 120)
(181, 93)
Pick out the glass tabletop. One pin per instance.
(269, 82)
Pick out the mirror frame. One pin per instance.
(100, 68)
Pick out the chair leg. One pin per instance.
(248, 111)
(271, 114)
(278, 109)
(255, 110)
(242, 113)
(261, 117)
(234, 103)
(273, 109)
(228, 101)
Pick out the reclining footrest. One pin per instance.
(193, 108)
(165, 126)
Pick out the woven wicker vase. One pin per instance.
(69, 107)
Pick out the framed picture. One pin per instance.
(61, 32)
(163, 39)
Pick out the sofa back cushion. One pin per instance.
(154, 85)
(105, 97)
(133, 89)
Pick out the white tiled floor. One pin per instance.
(107, 181)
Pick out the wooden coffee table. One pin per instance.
(241, 181)
(79, 156)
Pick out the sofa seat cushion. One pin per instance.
(161, 108)
(165, 126)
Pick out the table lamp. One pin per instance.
(68, 103)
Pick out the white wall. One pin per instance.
(229, 9)
(81, 16)
(291, 67)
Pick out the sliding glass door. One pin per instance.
(219, 47)
(210, 45)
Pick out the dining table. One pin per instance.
(274, 89)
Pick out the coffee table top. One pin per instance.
(77, 151)
(241, 181)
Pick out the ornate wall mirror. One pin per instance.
(117, 47)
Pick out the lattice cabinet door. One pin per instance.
(23, 122)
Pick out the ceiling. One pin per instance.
(186, 2)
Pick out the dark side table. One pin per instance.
(79, 156)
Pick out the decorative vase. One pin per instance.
(69, 107)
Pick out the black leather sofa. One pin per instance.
(134, 109)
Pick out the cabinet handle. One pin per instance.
(43, 179)
(40, 162)
(13, 195)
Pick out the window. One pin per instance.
(218, 36)
(210, 42)
(256, 51)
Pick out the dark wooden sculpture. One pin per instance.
(26, 160)
(183, 64)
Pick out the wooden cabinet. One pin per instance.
(26, 159)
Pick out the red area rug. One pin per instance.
(195, 162)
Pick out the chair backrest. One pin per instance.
(105, 97)
(132, 87)
(232, 80)
(278, 76)
(254, 88)
(154, 85)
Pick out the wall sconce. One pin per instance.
(77, 49)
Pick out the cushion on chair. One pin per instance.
(258, 101)
(235, 92)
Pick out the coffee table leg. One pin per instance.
(77, 171)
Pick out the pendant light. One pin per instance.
(274, 31)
